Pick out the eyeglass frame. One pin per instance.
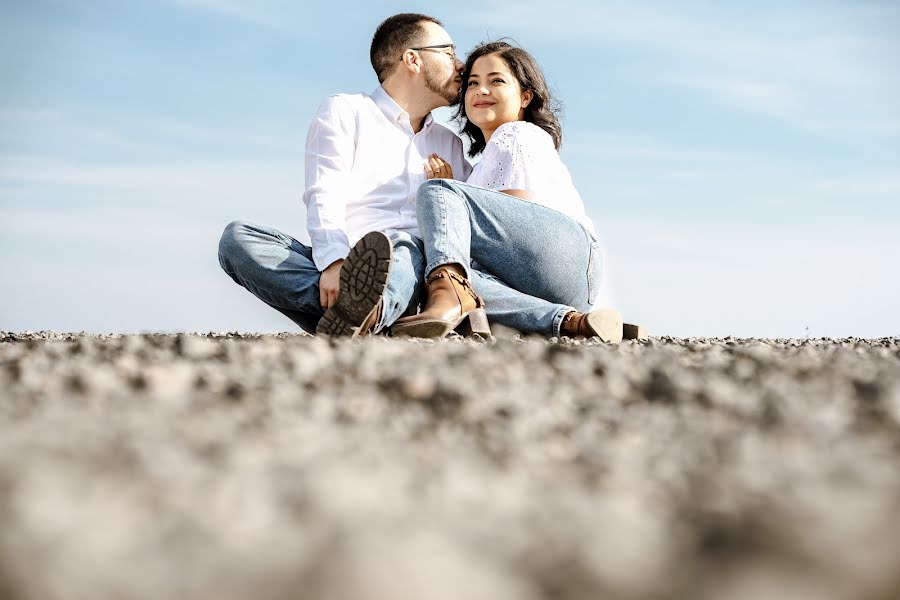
(437, 47)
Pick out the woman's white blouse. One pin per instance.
(521, 156)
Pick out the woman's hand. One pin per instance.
(438, 168)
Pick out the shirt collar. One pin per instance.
(393, 111)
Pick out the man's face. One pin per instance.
(440, 67)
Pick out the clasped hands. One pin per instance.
(438, 168)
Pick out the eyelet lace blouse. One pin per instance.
(521, 156)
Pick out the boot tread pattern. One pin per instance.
(363, 281)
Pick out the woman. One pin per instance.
(518, 217)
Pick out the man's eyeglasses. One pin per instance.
(438, 48)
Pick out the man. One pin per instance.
(365, 156)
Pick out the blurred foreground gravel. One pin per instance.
(269, 467)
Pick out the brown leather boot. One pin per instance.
(452, 304)
(604, 323)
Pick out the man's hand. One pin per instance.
(330, 284)
(438, 168)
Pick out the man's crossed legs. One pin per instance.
(280, 271)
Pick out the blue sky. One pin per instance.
(740, 160)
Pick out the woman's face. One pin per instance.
(493, 94)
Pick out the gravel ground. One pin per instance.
(286, 466)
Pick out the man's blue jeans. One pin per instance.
(531, 264)
(280, 271)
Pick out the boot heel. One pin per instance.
(475, 321)
(634, 332)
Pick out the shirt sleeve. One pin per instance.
(506, 161)
(330, 147)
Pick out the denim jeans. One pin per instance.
(280, 271)
(532, 264)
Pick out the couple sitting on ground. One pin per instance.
(507, 241)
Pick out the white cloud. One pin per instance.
(602, 145)
(832, 73)
(131, 268)
(859, 187)
(284, 142)
(12, 115)
(770, 98)
(119, 138)
(272, 15)
(104, 202)
(110, 226)
(618, 175)
(136, 264)
(692, 280)
(212, 178)
(29, 126)
(187, 293)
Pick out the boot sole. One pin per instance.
(364, 278)
(607, 324)
(473, 322)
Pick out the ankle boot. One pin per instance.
(452, 304)
(604, 323)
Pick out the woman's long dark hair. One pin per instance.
(542, 110)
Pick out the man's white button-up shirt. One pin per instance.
(364, 165)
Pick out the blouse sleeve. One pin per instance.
(506, 160)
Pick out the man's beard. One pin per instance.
(446, 90)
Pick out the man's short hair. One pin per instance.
(393, 36)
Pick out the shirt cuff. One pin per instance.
(324, 256)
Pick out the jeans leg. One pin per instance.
(275, 268)
(532, 249)
(406, 279)
(512, 308)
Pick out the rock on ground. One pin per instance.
(232, 466)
